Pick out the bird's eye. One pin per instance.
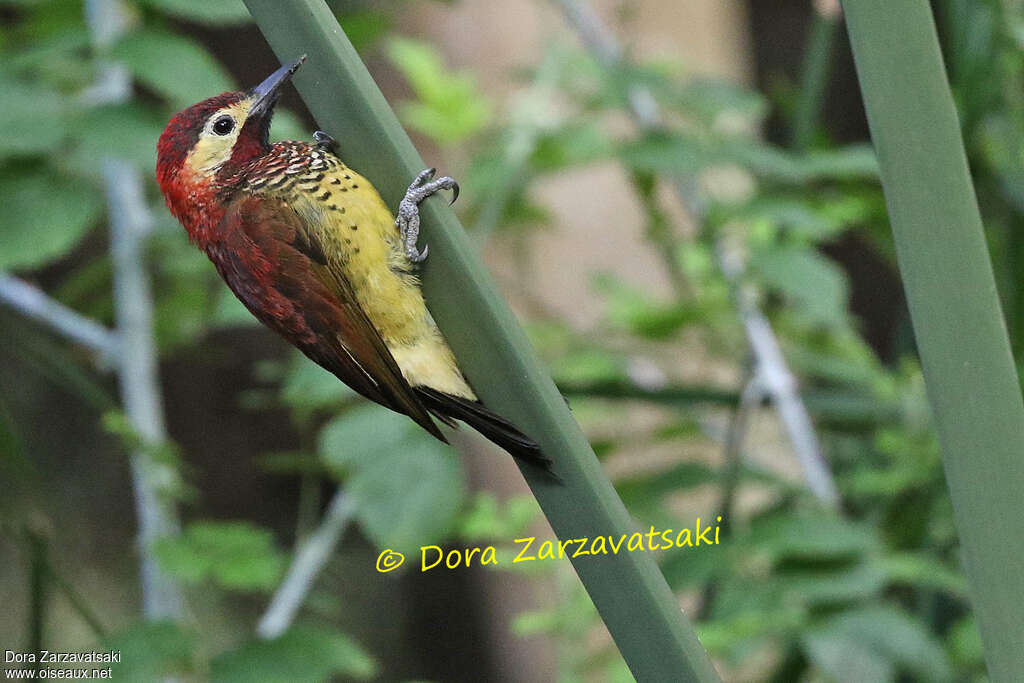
(223, 125)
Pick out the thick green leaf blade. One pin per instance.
(968, 368)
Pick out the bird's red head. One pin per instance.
(210, 141)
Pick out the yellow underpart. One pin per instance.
(360, 240)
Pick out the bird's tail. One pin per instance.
(491, 425)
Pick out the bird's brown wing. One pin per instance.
(278, 269)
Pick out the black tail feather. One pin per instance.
(493, 426)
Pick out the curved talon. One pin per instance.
(418, 256)
(455, 193)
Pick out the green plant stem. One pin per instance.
(659, 233)
(836, 409)
(732, 469)
(641, 613)
(38, 552)
(1009, 270)
(77, 602)
(677, 394)
(969, 372)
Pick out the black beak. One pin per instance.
(267, 92)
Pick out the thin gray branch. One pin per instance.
(130, 223)
(772, 371)
(140, 389)
(311, 558)
(34, 303)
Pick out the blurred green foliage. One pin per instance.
(873, 592)
(236, 555)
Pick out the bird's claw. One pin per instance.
(415, 255)
(324, 139)
(408, 218)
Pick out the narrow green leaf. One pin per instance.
(921, 571)
(861, 581)
(638, 490)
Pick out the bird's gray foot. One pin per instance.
(408, 218)
(324, 140)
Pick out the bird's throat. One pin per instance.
(194, 201)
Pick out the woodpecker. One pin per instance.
(310, 248)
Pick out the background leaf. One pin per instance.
(407, 486)
(237, 555)
(807, 278)
(32, 118)
(176, 67)
(304, 653)
(152, 651)
(45, 214)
